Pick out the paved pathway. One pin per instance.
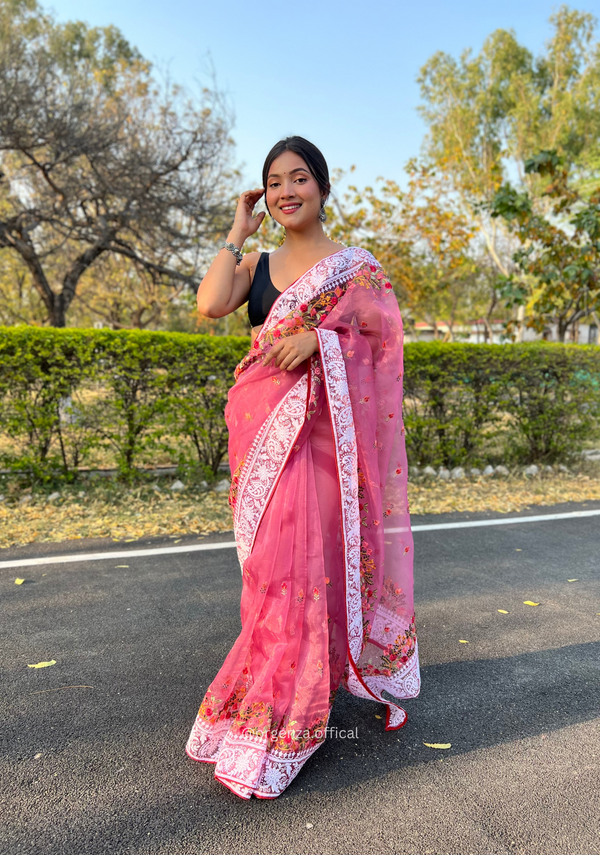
(102, 769)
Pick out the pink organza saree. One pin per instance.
(322, 530)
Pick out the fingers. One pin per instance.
(287, 355)
(295, 363)
(273, 353)
(251, 197)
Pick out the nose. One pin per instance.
(287, 190)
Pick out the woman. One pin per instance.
(318, 487)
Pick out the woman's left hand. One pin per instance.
(290, 352)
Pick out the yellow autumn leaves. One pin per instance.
(129, 514)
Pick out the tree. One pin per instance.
(420, 238)
(97, 159)
(487, 114)
(559, 258)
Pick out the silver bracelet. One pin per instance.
(234, 249)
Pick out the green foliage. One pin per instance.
(521, 403)
(558, 261)
(67, 392)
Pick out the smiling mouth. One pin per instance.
(288, 209)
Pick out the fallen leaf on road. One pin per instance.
(309, 825)
(377, 716)
(503, 611)
(438, 744)
(43, 664)
(529, 603)
(19, 581)
(572, 580)
(462, 641)
(120, 566)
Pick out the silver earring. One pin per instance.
(322, 214)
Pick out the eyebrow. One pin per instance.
(297, 169)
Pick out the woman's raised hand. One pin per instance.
(244, 222)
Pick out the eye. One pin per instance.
(274, 184)
(302, 179)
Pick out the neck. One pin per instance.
(308, 238)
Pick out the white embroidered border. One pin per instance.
(344, 436)
(264, 463)
(244, 762)
(406, 682)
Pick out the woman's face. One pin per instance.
(292, 193)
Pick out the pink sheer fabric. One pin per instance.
(322, 530)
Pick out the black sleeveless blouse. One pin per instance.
(262, 292)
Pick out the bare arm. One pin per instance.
(226, 284)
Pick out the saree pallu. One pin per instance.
(322, 529)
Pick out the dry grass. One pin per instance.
(126, 514)
(501, 495)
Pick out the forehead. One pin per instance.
(287, 161)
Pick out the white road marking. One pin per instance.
(505, 521)
(230, 544)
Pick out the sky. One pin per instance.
(341, 74)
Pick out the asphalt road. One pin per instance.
(103, 770)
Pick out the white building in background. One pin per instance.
(474, 333)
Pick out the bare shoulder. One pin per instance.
(248, 264)
(250, 260)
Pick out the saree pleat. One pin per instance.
(269, 704)
(321, 521)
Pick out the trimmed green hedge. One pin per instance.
(67, 392)
(515, 403)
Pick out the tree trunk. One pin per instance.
(58, 312)
(561, 328)
(520, 322)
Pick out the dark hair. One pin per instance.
(309, 153)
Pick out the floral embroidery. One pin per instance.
(316, 378)
(365, 278)
(254, 719)
(396, 655)
(310, 314)
(291, 739)
(393, 598)
(316, 594)
(213, 709)
(283, 589)
(363, 507)
(300, 596)
(235, 480)
(367, 589)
